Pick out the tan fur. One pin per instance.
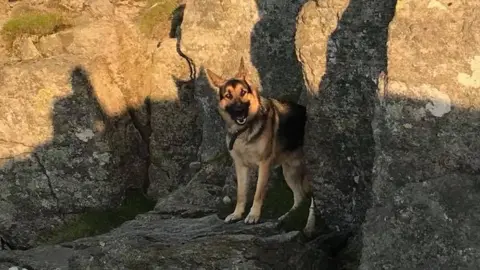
(262, 153)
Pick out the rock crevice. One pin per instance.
(49, 181)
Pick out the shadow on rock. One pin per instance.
(340, 137)
(273, 49)
(339, 140)
(90, 163)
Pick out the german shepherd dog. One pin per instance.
(262, 133)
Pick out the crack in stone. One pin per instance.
(18, 143)
(21, 154)
(145, 132)
(49, 181)
(5, 245)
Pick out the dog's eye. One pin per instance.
(242, 93)
(228, 95)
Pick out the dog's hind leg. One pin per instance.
(297, 179)
(241, 172)
(293, 174)
(309, 228)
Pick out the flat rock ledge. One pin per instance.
(153, 242)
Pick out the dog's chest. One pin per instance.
(250, 153)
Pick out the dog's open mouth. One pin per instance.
(241, 120)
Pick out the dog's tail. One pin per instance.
(308, 191)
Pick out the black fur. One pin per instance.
(291, 129)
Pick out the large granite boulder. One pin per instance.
(57, 156)
(342, 47)
(175, 134)
(69, 141)
(427, 156)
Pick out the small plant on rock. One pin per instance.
(33, 23)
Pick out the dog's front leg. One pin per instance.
(255, 211)
(242, 187)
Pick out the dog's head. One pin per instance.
(238, 100)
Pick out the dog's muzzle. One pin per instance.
(239, 112)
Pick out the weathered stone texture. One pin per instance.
(392, 90)
(56, 158)
(426, 171)
(342, 46)
(174, 120)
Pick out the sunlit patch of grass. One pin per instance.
(33, 23)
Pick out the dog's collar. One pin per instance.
(234, 136)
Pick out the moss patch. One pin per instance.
(155, 17)
(97, 222)
(33, 23)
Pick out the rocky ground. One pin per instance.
(153, 242)
(100, 97)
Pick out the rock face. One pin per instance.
(393, 110)
(74, 130)
(75, 168)
(174, 115)
(342, 57)
(427, 157)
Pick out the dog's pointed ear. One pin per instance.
(242, 72)
(216, 80)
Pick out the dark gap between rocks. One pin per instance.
(95, 222)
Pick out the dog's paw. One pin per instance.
(252, 218)
(233, 217)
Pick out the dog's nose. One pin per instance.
(238, 108)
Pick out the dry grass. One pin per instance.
(33, 23)
(155, 18)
